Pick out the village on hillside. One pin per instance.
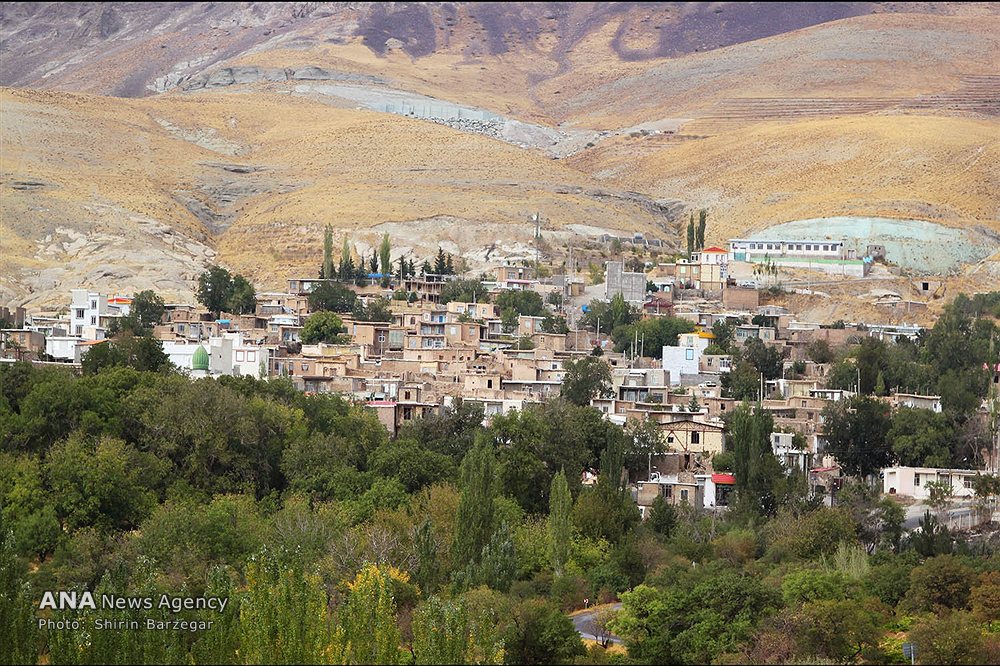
(665, 351)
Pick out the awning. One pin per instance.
(724, 479)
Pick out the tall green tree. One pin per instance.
(214, 287)
(857, 435)
(242, 296)
(586, 378)
(284, 617)
(560, 522)
(384, 252)
(346, 271)
(700, 236)
(690, 235)
(476, 506)
(332, 297)
(369, 619)
(18, 628)
(756, 469)
(145, 312)
(328, 271)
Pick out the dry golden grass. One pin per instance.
(352, 169)
(918, 167)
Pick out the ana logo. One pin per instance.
(68, 601)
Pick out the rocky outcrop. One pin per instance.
(234, 76)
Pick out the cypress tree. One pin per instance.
(690, 235)
(441, 262)
(328, 269)
(384, 252)
(560, 521)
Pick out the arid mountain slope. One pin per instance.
(135, 193)
(918, 167)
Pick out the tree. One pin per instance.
(586, 378)
(840, 629)
(555, 324)
(644, 439)
(651, 334)
(819, 351)
(939, 494)
(346, 271)
(700, 236)
(140, 353)
(476, 506)
(921, 438)
(723, 331)
(756, 469)
(441, 262)
(662, 517)
(609, 314)
(369, 619)
(145, 312)
(690, 236)
(560, 522)
(219, 291)
(214, 288)
(18, 628)
(856, 431)
(332, 297)
(953, 638)
(283, 616)
(242, 296)
(384, 252)
(328, 272)
(464, 291)
(324, 327)
(542, 634)
(943, 581)
(509, 320)
(440, 632)
(523, 302)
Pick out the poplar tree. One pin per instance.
(346, 263)
(476, 508)
(18, 632)
(440, 632)
(371, 635)
(560, 521)
(755, 466)
(702, 222)
(284, 617)
(384, 250)
(690, 235)
(328, 269)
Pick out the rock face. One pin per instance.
(232, 76)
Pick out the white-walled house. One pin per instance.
(912, 481)
(684, 358)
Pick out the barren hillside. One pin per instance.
(139, 193)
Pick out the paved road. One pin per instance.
(582, 622)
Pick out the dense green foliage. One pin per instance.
(219, 291)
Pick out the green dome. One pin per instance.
(200, 359)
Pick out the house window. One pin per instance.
(668, 491)
(240, 357)
(684, 495)
(670, 439)
(93, 320)
(251, 356)
(489, 383)
(689, 354)
(916, 479)
(803, 403)
(93, 305)
(967, 482)
(696, 438)
(305, 366)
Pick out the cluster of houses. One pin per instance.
(431, 355)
